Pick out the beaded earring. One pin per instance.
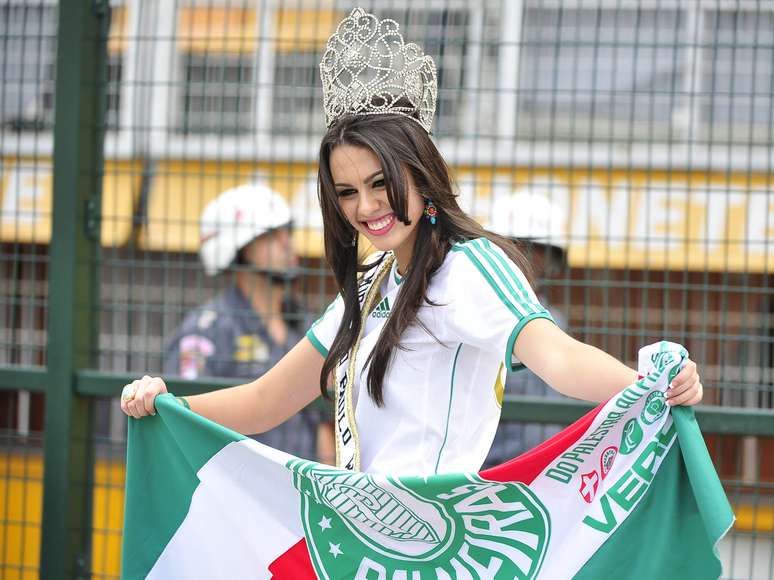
(430, 211)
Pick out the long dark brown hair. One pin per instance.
(401, 145)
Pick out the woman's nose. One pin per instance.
(368, 202)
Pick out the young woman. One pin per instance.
(417, 342)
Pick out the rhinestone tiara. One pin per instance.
(367, 69)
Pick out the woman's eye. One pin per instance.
(379, 183)
(345, 192)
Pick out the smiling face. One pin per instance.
(362, 197)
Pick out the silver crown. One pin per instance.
(367, 69)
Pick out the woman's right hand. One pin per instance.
(137, 397)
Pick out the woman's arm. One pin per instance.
(584, 372)
(254, 407)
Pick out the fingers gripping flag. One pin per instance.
(628, 491)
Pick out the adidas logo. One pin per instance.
(382, 309)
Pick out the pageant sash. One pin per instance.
(346, 435)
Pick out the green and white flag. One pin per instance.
(628, 491)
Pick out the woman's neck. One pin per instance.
(403, 255)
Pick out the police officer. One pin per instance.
(537, 224)
(246, 329)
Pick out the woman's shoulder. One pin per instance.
(478, 267)
(481, 243)
(479, 257)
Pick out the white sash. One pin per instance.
(347, 440)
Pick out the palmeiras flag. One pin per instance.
(628, 491)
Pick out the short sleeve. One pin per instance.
(324, 329)
(491, 300)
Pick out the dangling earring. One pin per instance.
(430, 210)
(354, 240)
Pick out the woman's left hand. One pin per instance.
(685, 388)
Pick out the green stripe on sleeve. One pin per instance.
(534, 308)
(510, 365)
(487, 255)
(488, 277)
(526, 292)
(316, 343)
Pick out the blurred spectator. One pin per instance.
(246, 329)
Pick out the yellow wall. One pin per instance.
(26, 200)
(614, 218)
(21, 504)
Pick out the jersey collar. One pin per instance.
(395, 277)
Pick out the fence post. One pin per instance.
(78, 143)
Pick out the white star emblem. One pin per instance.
(325, 523)
(335, 549)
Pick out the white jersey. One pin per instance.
(442, 392)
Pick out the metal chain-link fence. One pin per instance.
(640, 132)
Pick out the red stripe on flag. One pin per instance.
(527, 466)
(294, 564)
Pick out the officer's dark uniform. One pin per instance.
(514, 438)
(226, 338)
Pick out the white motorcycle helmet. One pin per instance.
(234, 219)
(530, 217)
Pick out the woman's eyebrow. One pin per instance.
(370, 177)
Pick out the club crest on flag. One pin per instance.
(632, 436)
(654, 409)
(356, 524)
(606, 460)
